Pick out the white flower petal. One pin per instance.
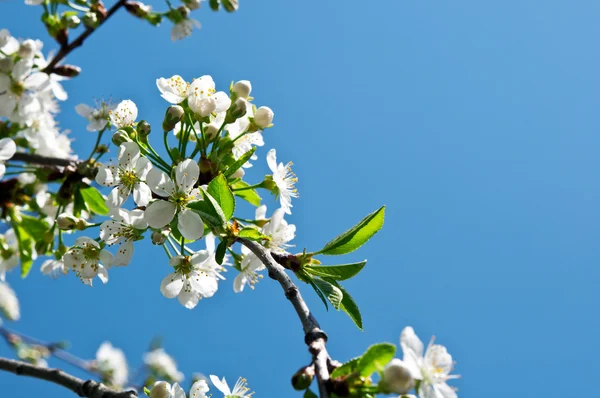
(221, 385)
(141, 194)
(171, 285)
(7, 148)
(160, 183)
(159, 213)
(190, 225)
(186, 175)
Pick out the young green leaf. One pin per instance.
(333, 294)
(349, 306)
(337, 272)
(78, 203)
(94, 200)
(239, 163)
(248, 195)
(346, 368)
(34, 226)
(26, 246)
(356, 236)
(252, 234)
(146, 391)
(209, 210)
(220, 253)
(219, 189)
(311, 282)
(376, 357)
(309, 394)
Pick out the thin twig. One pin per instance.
(83, 388)
(66, 49)
(315, 338)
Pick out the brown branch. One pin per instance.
(42, 160)
(66, 49)
(315, 338)
(83, 388)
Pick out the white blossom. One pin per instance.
(112, 364)
(263, 117)
(432, 368)
(127, 176)
(9, 303)
(54, 267)
(173, 89)
(203, 99)
(85, 258)
(7, 150)
(124, 114)
(21, 92)
(184, 28)
(163, 364)
(178, 194)
(240, 390)
(284, 179)
(279, 231)
(125, 228)
(97, 116)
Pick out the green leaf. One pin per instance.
(248, 195)
(356, 236)
(26, 244)
(34, 226)
(94, 200)
(350, 307)
(219, 189)
(309, 394)
(251, 233)
(146, 391)
(333, 294)
(310, 281)
(209, 210)
(376, 357)
(220, 253)
(346, 368)
(239, 163)
(337, 272)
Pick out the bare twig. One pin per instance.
(66, 49)
(83, 388)
(314, 337)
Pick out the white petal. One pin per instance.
(124, 254)
(136, 219)
(171, 285)
(178, 391)
(159, 213)
(106, 258)
(2, 170)
(199, 257)
(102, 274)
(7, 148)
(105, 176)
(204, 284)
(221, 385)
(129, 152)
(142, 167)
(160, 183)
(199, 389)
(272, 160)
(84, 110)
(141, 194)
(186, 174)
(239, 282)
(190, 225)
(222, 101)
(188, 297)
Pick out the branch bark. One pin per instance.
(315, 338)
(42, 160)
(66, 49)
(83, 388)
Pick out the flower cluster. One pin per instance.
(162, 389)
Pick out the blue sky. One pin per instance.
(475, 123)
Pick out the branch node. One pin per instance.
(291, 293)
(315, 335)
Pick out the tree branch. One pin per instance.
(83, 388)
(42, 160)
(315, 338)
(66, 49)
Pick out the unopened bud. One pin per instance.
(72, 21)
(214, 5)
(66, 221)
(237, 109)
(230, 5)
(138, 9)
(242, 88)
(396, 378)
(90, 20)
(102, 149)
(192, 4)
(82, 224)
(66, 70)
(211, 131)
(119, 137)
(263, 117)
(160, 237)
(99, 9)
(172, 117)
(183, 11)
(160, 389)
(303, 378)
(27, 49)
(143, 128)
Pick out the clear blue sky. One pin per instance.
(475, 123)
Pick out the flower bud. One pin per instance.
(183, 11)
(138, 9)
(143, 128)
(160, 237)
(66, 221)
(119, 137)
(242, 88)
(214, 5)
(396, 378)
(303, 378)
(72, 21)
(263, 117)
(27, 49)
(211, 131)
(160, 389)
(237, 109)
(192, 4)
(230, 5)
(90, 20)
(66, 70)
(82, 224)
(172, 117)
